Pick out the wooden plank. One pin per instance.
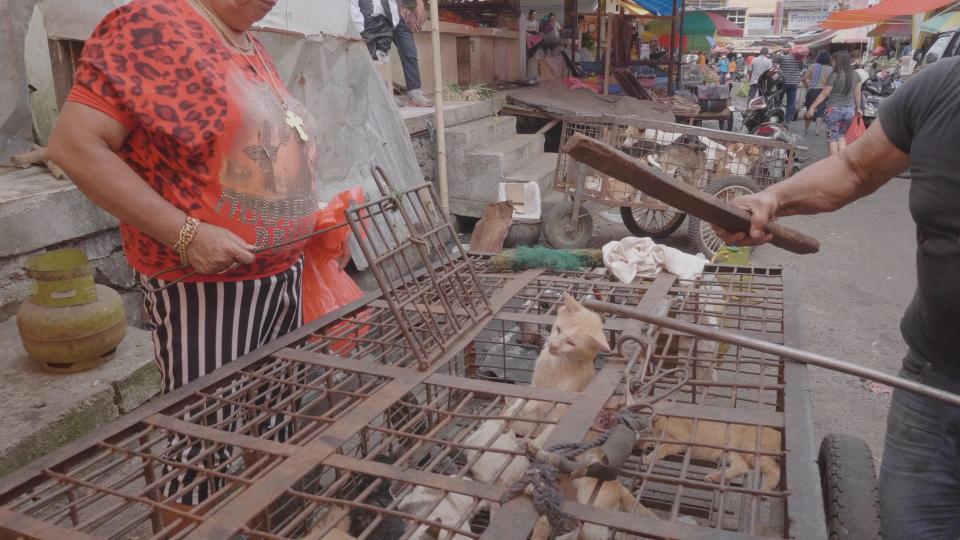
(679, 194)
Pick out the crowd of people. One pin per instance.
(830, 84)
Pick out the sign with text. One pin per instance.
(801, 20)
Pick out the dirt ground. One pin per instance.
(853, 294)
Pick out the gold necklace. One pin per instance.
(292, 119)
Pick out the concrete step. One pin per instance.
(44, 411)
(470, 136)
(473, 183)
(541, 170)
(502, 157)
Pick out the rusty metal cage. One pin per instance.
(697, 155)
(338, 428)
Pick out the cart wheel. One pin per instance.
(700, 233)
(653, 223)
(851, 497)
(559, 230)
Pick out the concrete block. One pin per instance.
(43, 411)
(472, 136)
(540, 170)
(30, 198)
(504, 156)
(419, 120)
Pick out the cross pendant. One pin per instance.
(294, 121)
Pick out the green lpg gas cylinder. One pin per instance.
(69, 323)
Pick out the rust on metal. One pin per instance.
(372, 414)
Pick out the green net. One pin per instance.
(525, 258)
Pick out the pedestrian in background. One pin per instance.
(842, 96)
(758, 67)
(374, 19)
(723, 67)
(814, 79)
(790, 67)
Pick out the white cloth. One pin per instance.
(632, 257)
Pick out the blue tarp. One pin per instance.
(657, 7)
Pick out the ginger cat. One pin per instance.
(713, 433)
(566, 360)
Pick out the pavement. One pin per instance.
(852, 295)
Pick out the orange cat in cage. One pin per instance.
(709, 438)
(565, 362)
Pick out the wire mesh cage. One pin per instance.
(696, 155)
(431, 303)
(336, 431)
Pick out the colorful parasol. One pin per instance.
(699, 29)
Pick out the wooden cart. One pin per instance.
(720, 162)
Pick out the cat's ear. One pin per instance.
(570, 302)
(601, 342)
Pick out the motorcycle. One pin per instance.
(768, 106)
(875, 90)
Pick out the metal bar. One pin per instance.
(804, 515)
(750, 417)
(338, 362)
(21, 526)
(791, 353)
(501, 389)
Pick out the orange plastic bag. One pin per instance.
(856, 129)
(325, 286)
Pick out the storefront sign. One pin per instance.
(801, 20)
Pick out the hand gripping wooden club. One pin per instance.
(679, 194)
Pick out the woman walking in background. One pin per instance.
(842, 96)
(814, 79)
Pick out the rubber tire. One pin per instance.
(634, 227)
(554, 223)
(715, 186)
(851, 496)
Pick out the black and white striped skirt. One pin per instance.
(199, 327)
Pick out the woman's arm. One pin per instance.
(857, 96)
(824, 94)
(84, 143)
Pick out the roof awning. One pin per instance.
(657, 7)
(897, 30)
(888, 9)
(630, 8)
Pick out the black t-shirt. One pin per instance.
(922, 118)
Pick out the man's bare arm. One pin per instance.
(832, 183)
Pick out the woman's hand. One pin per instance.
(215, 250)
(811, 112)
(762, 208)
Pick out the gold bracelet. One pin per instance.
(187, 234)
